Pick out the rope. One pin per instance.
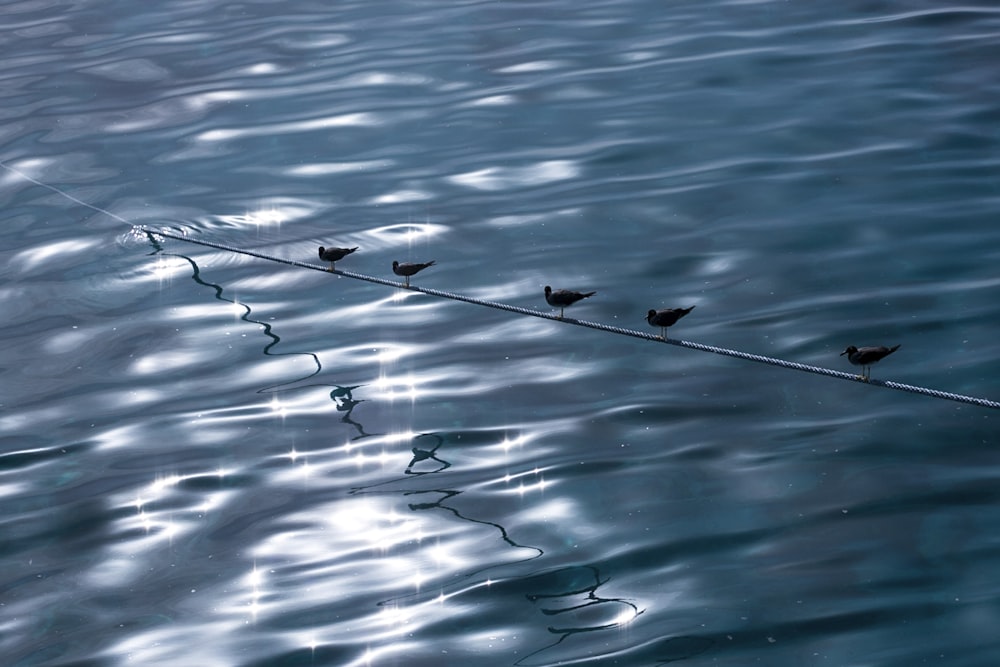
(934, 393)
(701, 347)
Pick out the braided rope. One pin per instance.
(934, 393)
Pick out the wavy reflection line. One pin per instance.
(268, 329)
(447, 494)
(420, 455)
(341, 396)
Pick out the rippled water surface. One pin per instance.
(210, 458)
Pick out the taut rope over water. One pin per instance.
(888, 384)
(982, 402)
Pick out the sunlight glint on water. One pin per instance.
(207, 458)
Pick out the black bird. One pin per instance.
(333, 255)
(564, 298)
(409, 268)
(666, 318)
(866, 356)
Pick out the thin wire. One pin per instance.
(934, 393)
(701, 347)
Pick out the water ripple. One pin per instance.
(214, 459)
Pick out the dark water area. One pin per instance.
(211, 458)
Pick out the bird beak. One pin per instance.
(843, 353)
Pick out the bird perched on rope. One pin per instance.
(333, 255)
(666, 318)
(564, 298)
(408, 269)
(866, 356)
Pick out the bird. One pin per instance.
(409, 268)
(666, 318)
(333, 255)
(564, 298)
(866, 356)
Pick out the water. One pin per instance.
(207, 458)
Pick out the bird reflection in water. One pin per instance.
(572, 589)
(580, 596)
(421, 455)
(449, 494)
(343, 399)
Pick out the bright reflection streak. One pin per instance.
(167, 524)
(165, 267)
(271, 217)
(329, 168)
(526, 488)
(279, 407)
(442, 557)
(375, 528)
(57, 253)
(393, 235)
(240, 413)
(171, 530)
(626, 617)
(160, 484)
(255, 581)
(400, 197)
(393, 388)
(395, 616)
(508, 443)
(360, 459)
(388, 356)
(273, 212)
(360, 119)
